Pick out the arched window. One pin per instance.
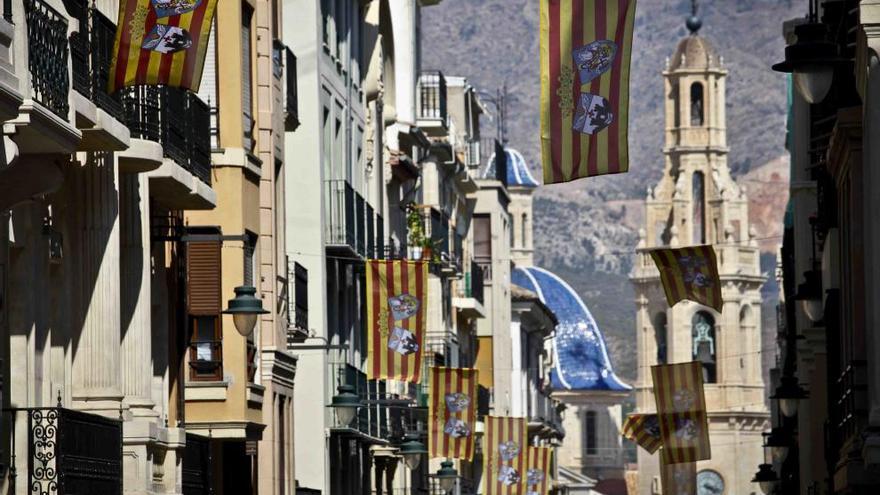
(590, 441)
(523, 230)
(696, 104)
(699, 201)
(704, 348)
(660, 337)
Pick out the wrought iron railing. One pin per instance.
(432, 96)
(380, 237)
(474, 282)
(102, 37)
(340, 227)
(175, 118)
(79, 47)
(299, 303)
(47, 56)
(360, 213)
(68, 452)
(371, 232)
(473, 159)
(484, 263)
(291, 93)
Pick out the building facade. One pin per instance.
(827, 387)
(697, 202)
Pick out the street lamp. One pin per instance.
(811, 58)
(412, 451)
(778, 443)
(346, 404)
(245, 308)
(809, 294)
(766, 478)
(789, 393)
(447, 475)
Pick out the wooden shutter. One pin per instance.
(203, 278)
(247, 101)
(208, 86)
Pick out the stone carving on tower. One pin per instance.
(698, 202)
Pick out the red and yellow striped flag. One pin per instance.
(689, 273)
(679, 479)
(161, 43)
(539, 477)
(453, 413)
(585, 54)
(681, 411)
(504, 456)
(643, 429)
(397, 291)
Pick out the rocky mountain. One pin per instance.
(586, 230)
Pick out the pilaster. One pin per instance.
(96, 376)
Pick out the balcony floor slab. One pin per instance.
(141, 156)
(100, 130)
(36, 130)
(175, 187)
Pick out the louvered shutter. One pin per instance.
(203, 278)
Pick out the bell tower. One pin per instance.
(698, 202)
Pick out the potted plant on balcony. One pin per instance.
(422, 247)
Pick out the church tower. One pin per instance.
(697, 202)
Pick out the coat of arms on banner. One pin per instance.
(167, 39)
(507, 475)
(403, 306)
(457, 428)
(593, 114)
(594, 59)
(402, 341)
(168, 8)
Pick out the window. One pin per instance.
(247, 100)
(250, 248)
(590, 441)
(704, 348)
(660, 337)
(325, 22)
(699, 201)
(206, 350)
(482, 236)
(696, 105)
(203, 294)
(523, 230)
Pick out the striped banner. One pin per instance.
(161, 43)
(585, 57)
(643, 429)
(689, 273)
(504, 456)
(453, 413)
(539, 475)
(397, 292)
(679, 479)
(681, 411)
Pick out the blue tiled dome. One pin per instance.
(582, 361)
(518, 173)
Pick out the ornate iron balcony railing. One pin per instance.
(47, 56)
(68, 451)
(175, 118)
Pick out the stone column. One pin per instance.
(96, 378)
(137, 372)
(868, 76)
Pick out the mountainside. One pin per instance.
(586, 230)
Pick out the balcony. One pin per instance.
(298, 305)
(432, 114)
(484, 263)
(350, 230)
(469, 301)
(63, 451)
(42, 124)
(98, 114)
(291, 93)
(180, 122)
(386, 417)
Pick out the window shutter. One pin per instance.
(203, 278)
(208, 86)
